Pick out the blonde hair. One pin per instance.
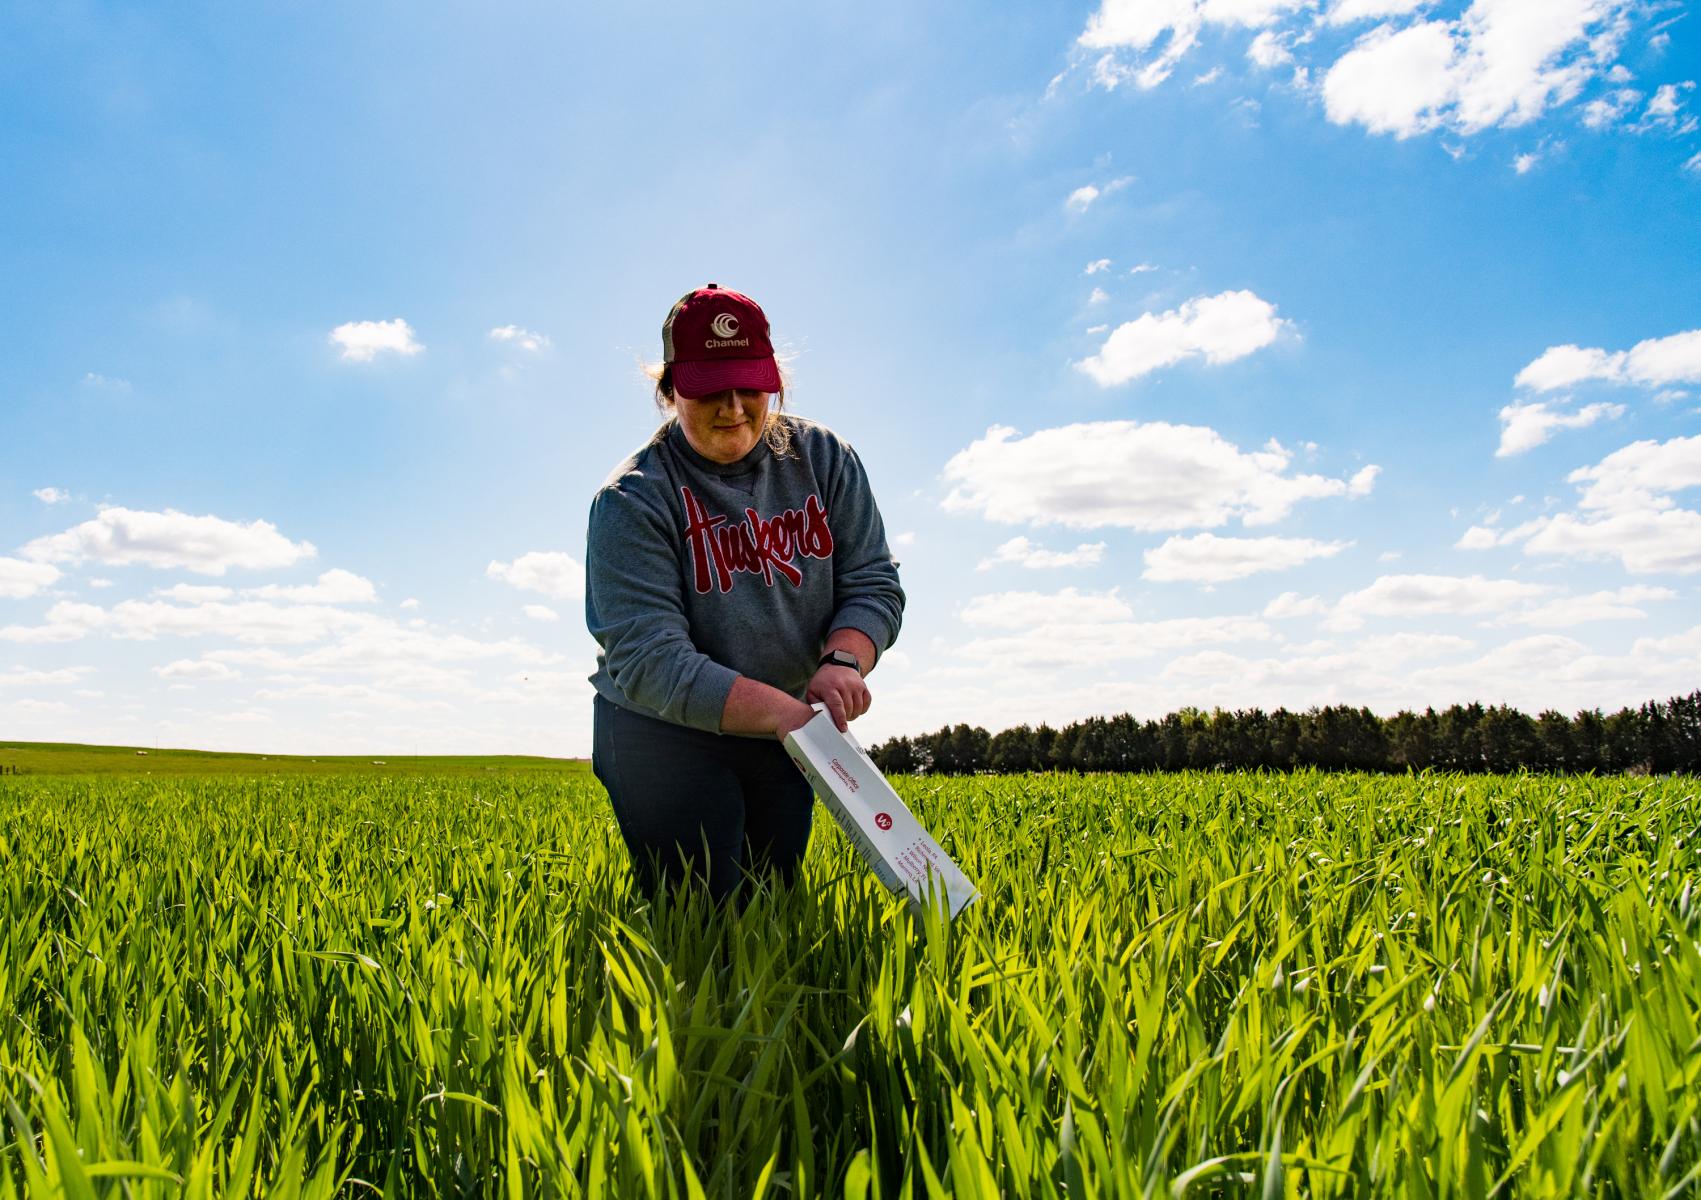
(775, 432)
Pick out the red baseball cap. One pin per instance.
(717, 339)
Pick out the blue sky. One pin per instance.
(1210, 352)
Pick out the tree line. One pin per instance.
(1656, 738)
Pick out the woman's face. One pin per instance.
(723, 426)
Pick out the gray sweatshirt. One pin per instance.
(697, 572)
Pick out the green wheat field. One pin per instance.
(436, 984)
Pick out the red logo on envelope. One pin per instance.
(882, 820)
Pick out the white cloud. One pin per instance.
(1019, 551)
(1618, 605)
(1249, 14)
(105, 383)
(101, 583)
(24, 677)
(568, 679)
(244, 717)
(195, 593)
(1056, 646)
(1208, 78)
(1316, 670)
(1269, 50)
(1562, 366)
(1526, 426)
(1141, 268)
(146, 620)
(1129, 24)
(1153, 476)
(1610, 108)
(1020, 610)
(525, 339)
(206, 545)
(1289, 605)
(1110, 74)
(1404, 647)
(362, 341)
(1344, 12)
(1645, 541)
(1635, 474)
(1097, 265)
(1502, 63)
(1655, 362)
(540, 612)
(410, 603)
(1626, 511)
(1664, 108)
(19, 578)
(1082, 198)
(51, 495)
(906, 538)
(1693, 163)
(330, 645)
(1393, 82)
(1517, 56)
(551, 572)
(41, 635)
(1207, 558)
(369, 695)
(1478, 537)
(1099, 296)
(1219, 329)
(30, 705)
(188, 668)
(402, 657)
(1524, 163)
(1431, 595)
(1137, 25)
(335, 586)
(1069, 628)
(1660, 362)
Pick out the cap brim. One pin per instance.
(694, 379)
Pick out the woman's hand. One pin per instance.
(842, 690)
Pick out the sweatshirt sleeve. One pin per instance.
(635, 611)
(866, 594)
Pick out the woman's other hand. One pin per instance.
(842, 690)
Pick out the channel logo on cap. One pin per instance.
(717, 339)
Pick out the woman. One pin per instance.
(736, 572)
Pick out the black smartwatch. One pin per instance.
(840, 658)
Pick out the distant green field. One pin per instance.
(68, 758)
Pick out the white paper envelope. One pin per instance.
(874, 817)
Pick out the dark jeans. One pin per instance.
(692, 804)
